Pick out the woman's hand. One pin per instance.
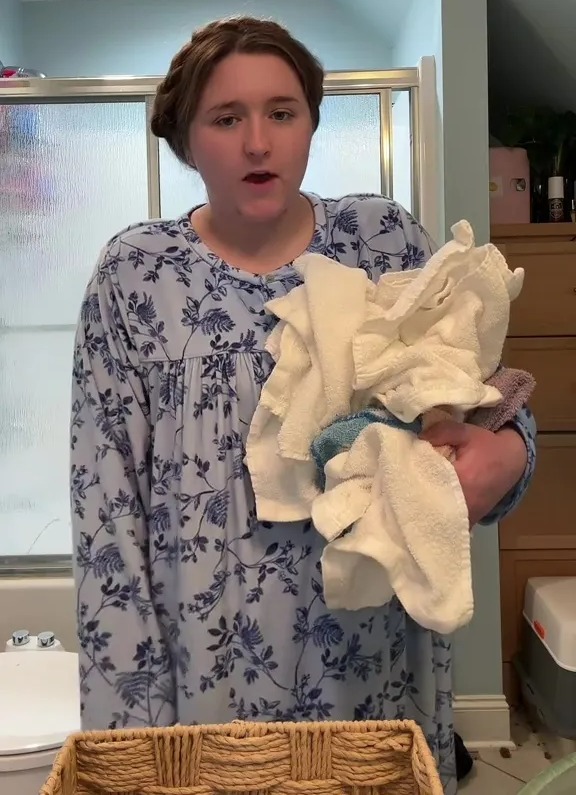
(488, 464)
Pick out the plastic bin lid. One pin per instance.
(39, 700)
(549, 606)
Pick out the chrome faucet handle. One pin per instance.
(46, 639)
(20, 637)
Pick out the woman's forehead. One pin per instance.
(251, 78)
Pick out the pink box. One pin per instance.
(509, 186)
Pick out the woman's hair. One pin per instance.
(179, 93)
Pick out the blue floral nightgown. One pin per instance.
(189, 609)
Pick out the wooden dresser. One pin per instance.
(539, 538)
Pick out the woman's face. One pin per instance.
(250, 138)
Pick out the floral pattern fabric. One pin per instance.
(190, 610)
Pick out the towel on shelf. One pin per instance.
(410, 343)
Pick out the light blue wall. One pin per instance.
(11, 32)
(454, 32)
(422, 35)
(465, 87)
(74, 38)
(465, 102)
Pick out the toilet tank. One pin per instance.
(39, 709)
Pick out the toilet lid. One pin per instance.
(39, 700)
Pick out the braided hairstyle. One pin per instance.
(179, 93)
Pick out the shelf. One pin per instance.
(533, 231)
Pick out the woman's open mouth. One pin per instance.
(260, 178)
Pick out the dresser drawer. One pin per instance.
(547, 304)
(546, 517)
(552, 362)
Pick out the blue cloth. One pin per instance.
(342, 433)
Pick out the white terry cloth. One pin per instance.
(310, 386)
(431, 337)
(410, 531)
(416, 340)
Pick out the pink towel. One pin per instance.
(516, 387)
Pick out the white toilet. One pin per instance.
(39, 708)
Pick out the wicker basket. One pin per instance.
(362, 758)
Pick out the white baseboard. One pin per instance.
(483, 721)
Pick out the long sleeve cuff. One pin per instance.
(525, 425)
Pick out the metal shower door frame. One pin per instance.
(419, 81)
(142, 89)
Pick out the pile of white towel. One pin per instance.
(392, 510)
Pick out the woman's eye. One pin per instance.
(281, 115)
(227, 121)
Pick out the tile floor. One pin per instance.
(506, 772)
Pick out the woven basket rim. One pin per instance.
(251, 728)
(66, 759)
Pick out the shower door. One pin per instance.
(72, 176)
(77, 164)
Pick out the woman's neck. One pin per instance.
(257, 247)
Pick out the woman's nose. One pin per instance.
(257, 141)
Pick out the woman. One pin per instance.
(189, 609)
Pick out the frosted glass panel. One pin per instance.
(402, 150)
(345, 156)
(35, 379)
(180, 187)
(72, 176)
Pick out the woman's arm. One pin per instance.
(125, 671)
(418, 249)
(524, 424)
